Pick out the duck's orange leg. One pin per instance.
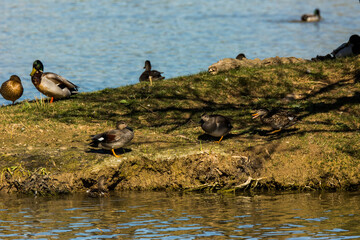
(114, 153)
(275, 131)
(150, 79)
(52, 99)
(219, 140)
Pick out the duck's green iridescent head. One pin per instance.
(317, 12)
(37, 66)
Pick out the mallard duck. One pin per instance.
(113, 139)
(150, 75)
(100, 190)
(352, 47)
(277, 119)
(12, 89)
(215, 125)
(311, 17)
(240, 56)
(51, 84)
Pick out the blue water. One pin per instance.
(99, 43)
(160, 215)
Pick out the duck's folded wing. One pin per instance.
(113, 136)
(60, 81)
(223, 122)
(156, 74)
(334, 52)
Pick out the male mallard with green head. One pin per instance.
(352, 47)
(113, 139)
(312, 17)
(12, 89)
(216, 125)
(278, 120)
(150, 75)
(51, 84)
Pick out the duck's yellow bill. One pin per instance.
(33, 72)
(255, 115)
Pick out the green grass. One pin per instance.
(323, 146)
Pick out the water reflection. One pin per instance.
(164, 215)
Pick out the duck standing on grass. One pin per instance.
(12, 89)
(278, 120)
(312, 17)
(216, 125)
(51, 84)
(113, 139)
(150, 75)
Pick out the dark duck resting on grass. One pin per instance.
(113, 139)
(312, 17)
(240, 56)
(215, 125)
(51, 84)
(100, 190)
(12, 89)
(150, 75)
(350, 48)
(277, 119)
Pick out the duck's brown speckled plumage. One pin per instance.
(12, 89)
(277, 119)
(100, 190)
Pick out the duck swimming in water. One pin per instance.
(312, 17)
(277, 119)
(216, 125)
(51, 84)
(150, 75)
(113, 139)
(12, 89)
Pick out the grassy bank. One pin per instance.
(46, 144)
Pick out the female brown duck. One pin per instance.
(150, 75)
(277, 119)
(100, 190)
(12, 89)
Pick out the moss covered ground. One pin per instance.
(49, 142)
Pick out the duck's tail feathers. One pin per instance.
(96, 139)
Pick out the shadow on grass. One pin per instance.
(119, 151)
(182, 101)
